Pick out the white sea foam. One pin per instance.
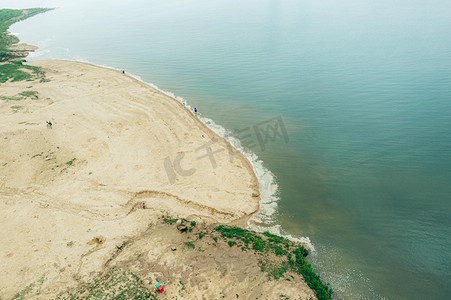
(266, 180)
(42, 44)
(277, 230)
(33, 55)
(264, 219)
(43, 49)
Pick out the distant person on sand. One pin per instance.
(49, 124)
(123, 72)
(195, 111)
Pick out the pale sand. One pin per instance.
(120, 132)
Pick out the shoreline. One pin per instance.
(269, 190)
(265, 180)
(88, 200)
(209, 133)
(243, 221)
(110, 168)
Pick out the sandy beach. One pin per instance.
(118, 157)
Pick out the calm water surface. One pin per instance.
(363, 89)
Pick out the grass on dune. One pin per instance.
(293, 256)
(15, 71)
(11, 67)
(7, 18)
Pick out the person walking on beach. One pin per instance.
(123, 72)
(195, 111)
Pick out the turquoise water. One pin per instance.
(363, 89)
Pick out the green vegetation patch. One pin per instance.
(36, 155)
(30, 94)
(231, 243)
(301, 266)
(14, 71)
(11, 98)
(277, 254)
(34, 287)
(269, 243)
(7, 18)
(190, 245)
(247, 237)
(254, 241)
(119, 284)
(71, 162)
(9, 69)
(16, 108)
(169, 220)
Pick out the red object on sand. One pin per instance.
(161, 289)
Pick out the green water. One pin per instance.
(363, 89)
